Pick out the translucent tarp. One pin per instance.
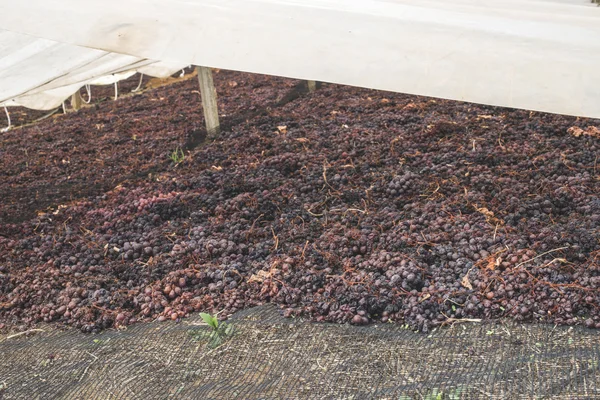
(534, 54)
(41, 74)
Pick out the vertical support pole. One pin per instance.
(9, 123)
(209, 101)
(76, 101)
(312, 86)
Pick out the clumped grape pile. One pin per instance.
(366, 207)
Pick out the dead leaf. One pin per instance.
(384, 101)
(259, 277)
(489, 215)
(593, 131)
(232, 83)
(575, 131)
(466, 282)
(282, 129)
(589, 131)
(302, 140)
(485, 212)
(492, 262)
(217, 168)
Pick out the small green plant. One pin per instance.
(177, 156)
(218, 333)
(213, 322)
(435, 395)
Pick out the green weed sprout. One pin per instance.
(219, 332)
(177, 156)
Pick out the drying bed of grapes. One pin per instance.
(343, 205)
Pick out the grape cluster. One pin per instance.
(411, 210)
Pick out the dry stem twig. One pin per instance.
(541, 255)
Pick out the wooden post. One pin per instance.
(209, 101)
(76, 101)
(312, 86)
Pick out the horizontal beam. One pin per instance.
(534, 54)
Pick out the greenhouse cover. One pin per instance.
(540, 55)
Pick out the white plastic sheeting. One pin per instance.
(534, 54)
(41, 74)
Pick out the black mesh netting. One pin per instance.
(270, 357)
